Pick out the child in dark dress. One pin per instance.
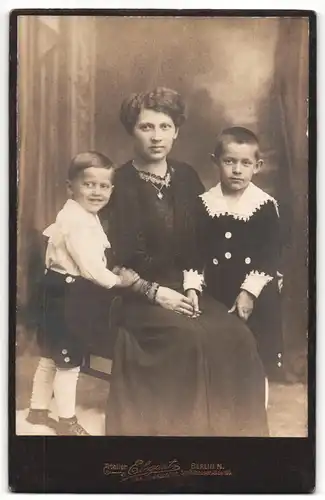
(76, 288)
(241, 231)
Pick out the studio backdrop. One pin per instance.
(74, 72)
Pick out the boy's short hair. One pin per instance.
(239, 135)
(88, 159)
(160, 99)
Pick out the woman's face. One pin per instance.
(154, 134)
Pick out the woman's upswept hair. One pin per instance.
(160, 99)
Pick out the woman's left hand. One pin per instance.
(194, 297)
(174, 301)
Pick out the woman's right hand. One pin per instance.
(174, 301)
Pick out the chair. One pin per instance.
(98, 360)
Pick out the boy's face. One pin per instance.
(237, 164)
(92, 188)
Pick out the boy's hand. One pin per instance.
(194, 298)
(243, 305)
(127, 277)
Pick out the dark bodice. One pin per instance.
(156, 252)
(156, 237)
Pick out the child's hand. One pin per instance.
(194, 298)
(127, 277)
(243, 305)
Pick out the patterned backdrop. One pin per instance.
(73, 73)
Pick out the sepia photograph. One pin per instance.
(162, 225)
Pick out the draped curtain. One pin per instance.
(56, 73)
(291, 102)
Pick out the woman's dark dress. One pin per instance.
(173, 375)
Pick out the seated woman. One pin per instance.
(182, 366)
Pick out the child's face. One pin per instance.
(237, 164)
(92, 188)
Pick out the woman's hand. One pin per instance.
(174, 301)
(244, 304)
(194, 298)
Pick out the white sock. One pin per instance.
(43, 384)
(65, 389)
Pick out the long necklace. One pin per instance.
(159, 183)
(159, 193)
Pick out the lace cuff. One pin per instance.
(255, 282)
(193, 279)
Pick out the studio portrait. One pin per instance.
(162, 226)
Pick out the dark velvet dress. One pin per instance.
(173, 375)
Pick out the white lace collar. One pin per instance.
(251, 200)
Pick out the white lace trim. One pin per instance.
(255, 281)
(193, 279)
(251, 200)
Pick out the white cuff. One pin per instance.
(255, 282)
(192, 279)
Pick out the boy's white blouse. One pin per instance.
(77, 244)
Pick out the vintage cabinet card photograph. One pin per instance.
(162, 262)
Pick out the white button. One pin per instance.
(228, 255)
(248, 260)
(279, 355)
(64, 351)
(69, 279)
(215, 262)
(67, 359)
(228, 235)
(279, 364)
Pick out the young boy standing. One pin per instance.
(75, 305)
(242, 240)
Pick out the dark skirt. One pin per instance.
(265, 321)
(177, 376)
(75, 318)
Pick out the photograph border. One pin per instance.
(72, 465)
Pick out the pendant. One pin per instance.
(160, 196)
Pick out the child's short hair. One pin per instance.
(239, 135)
(160, 99)
(88, 159)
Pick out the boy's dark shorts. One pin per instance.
(75, 319)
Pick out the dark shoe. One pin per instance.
(70, 427)
(41, 417)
